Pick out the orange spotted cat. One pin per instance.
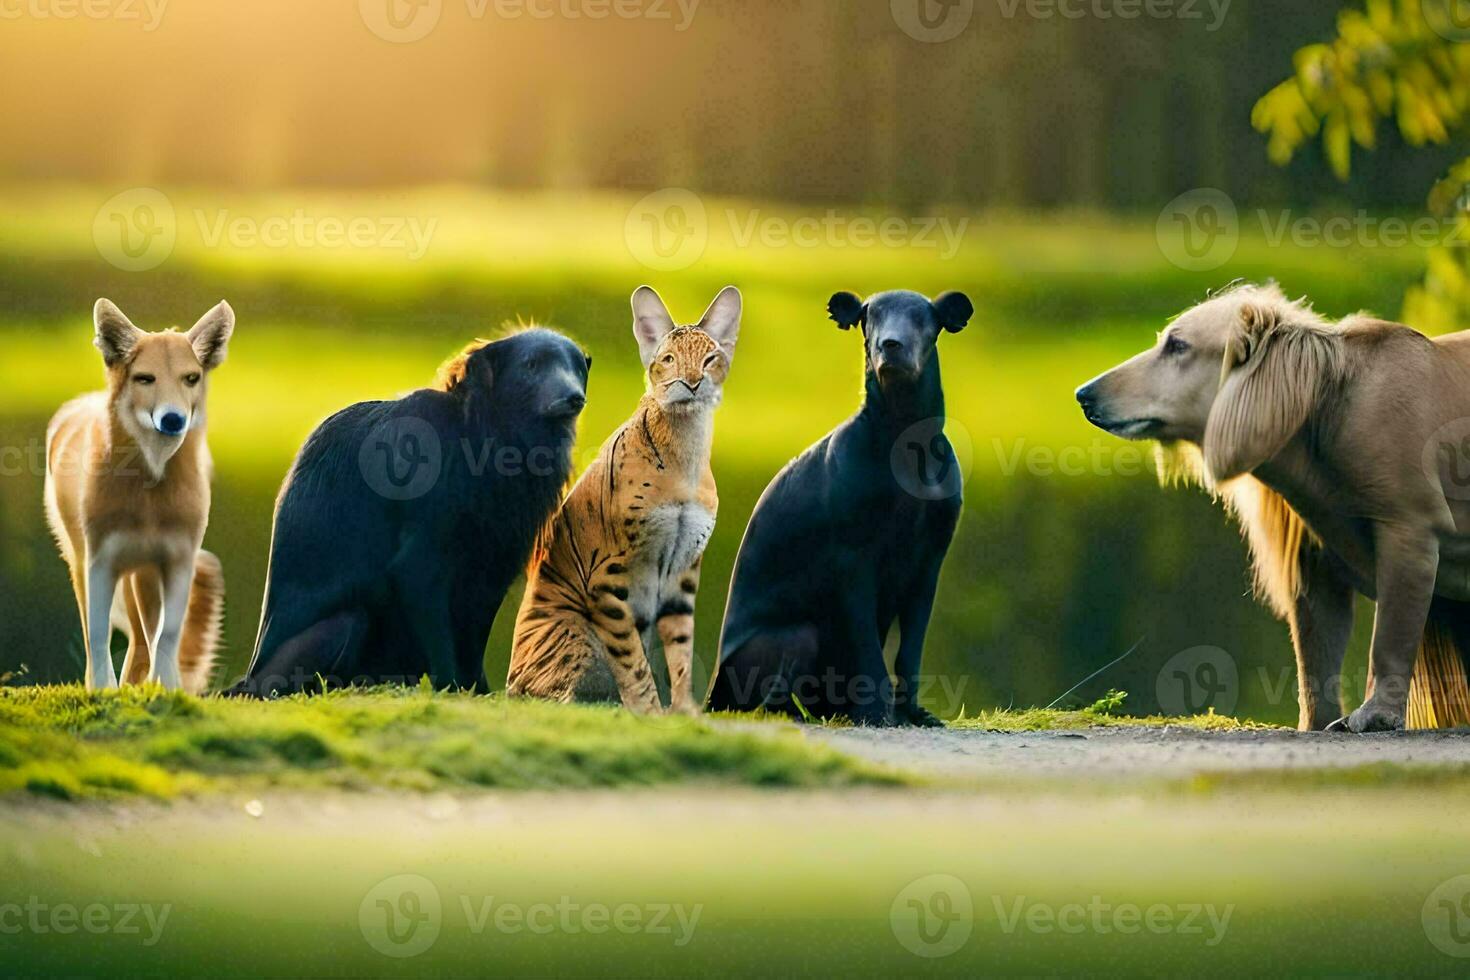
(621, 561)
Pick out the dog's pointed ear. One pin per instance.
(651, 322)
(722, 320)
(210, 337)
(846, 310)
(116, 337)
(953, 310)
(1274, 374)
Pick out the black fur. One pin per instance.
(840, 544)
(382, 571)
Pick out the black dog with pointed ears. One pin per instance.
(851, 535)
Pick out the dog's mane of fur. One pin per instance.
(1311, 358)
(452, 372)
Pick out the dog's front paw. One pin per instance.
(1369, 718)
(916, 715)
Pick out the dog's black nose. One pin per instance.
(1087, 398)
(568, 406)
(172, 423)
(891, 345)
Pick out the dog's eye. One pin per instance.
(1174, 346)
(143, 379)
(191, 379)
(668, 358)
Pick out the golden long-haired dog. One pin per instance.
(1344, 450)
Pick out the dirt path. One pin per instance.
(1111, 753)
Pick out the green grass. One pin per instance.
(1103, 713)
(64, 742)
(1449, 778)
(1045, 720)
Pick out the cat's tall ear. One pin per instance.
(210, 337)
(846, 310)
(953, 310)
(116, 337)
(651, 322)
(722, 320)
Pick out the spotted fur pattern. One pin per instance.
(620, 567)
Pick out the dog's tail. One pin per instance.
(1439, 695)
(200, 641)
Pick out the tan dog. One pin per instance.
(127, 495)
(1338, 448)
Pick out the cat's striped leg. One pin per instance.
(676, 631)
(612, 618)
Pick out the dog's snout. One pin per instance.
(172, 423)
(1087, 397)
(891, 345)
(569, 405)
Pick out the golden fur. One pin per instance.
(129, 504)
(1313, 434)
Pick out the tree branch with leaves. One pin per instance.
(1404, 63)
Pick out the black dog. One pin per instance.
(850, 536)
(402, 524)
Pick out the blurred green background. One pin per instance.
(369, 200)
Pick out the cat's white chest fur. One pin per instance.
(672, 536)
